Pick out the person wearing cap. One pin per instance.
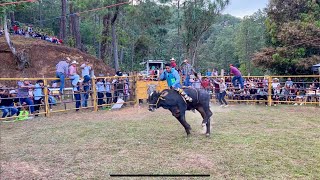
(62, 72)
(74, 77)
(7, 103)
(237, 77)
(173, 79)
(173, 63)
(187, 70)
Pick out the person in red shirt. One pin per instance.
(15, 29)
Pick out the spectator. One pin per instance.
(187, 71)
(100, 89)
(173, 63)
(77, 95)
(23, 94)
(222, 92)
(86, 68)
(275, 83)
(62, 72)
(108, 91)
(74, 77)
(289, 83)
(237, 77)
(262, 94)
(38, 95)
(7, 104)
(24, 113)
(195, 82)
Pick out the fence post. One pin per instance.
(94, 95)
(136, 89)
(46, 98)
(269, 90)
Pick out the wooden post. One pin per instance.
(269, 90)
(94, 95)
(135, 80)
(46, 97)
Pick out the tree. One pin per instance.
(250, 38)
(199, 15)
(63, 20)
(293, 28)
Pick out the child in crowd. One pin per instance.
(24, 113)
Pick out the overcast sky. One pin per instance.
(241, 8)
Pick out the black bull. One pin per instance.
(172, 100)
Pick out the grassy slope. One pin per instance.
(247, 142)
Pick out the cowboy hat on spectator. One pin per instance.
(172, 59)
(74, 62)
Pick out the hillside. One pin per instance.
(43, 56)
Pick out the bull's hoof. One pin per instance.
(207, 134)
(188, 135)
(203, 124)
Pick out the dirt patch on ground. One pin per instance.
(44, 57)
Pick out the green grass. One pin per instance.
(247, 142)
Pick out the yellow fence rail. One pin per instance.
(134, 89)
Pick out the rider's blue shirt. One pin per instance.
(172, 77)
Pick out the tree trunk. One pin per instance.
(105, 34)
(75, 29)
(22, 57)
(115, 47)
(77, 32)
(12, 18)
(121, 55)
(132, 55)
(63, 20)
(7, 35)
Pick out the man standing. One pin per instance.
(86, 68)
(237, 76)
(62, 72)
(173, 79)
(187, 71)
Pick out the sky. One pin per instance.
(241, 8)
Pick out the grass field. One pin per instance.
(247, 142)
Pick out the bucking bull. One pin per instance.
(173, 101)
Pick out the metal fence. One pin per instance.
(104, 93)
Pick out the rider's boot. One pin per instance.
(181, 91)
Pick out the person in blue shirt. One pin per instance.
(173, 79)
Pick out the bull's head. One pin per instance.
(153, 100)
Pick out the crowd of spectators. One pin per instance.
(29, 32)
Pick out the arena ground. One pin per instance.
(247, 142)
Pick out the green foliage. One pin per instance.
(292, 27)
